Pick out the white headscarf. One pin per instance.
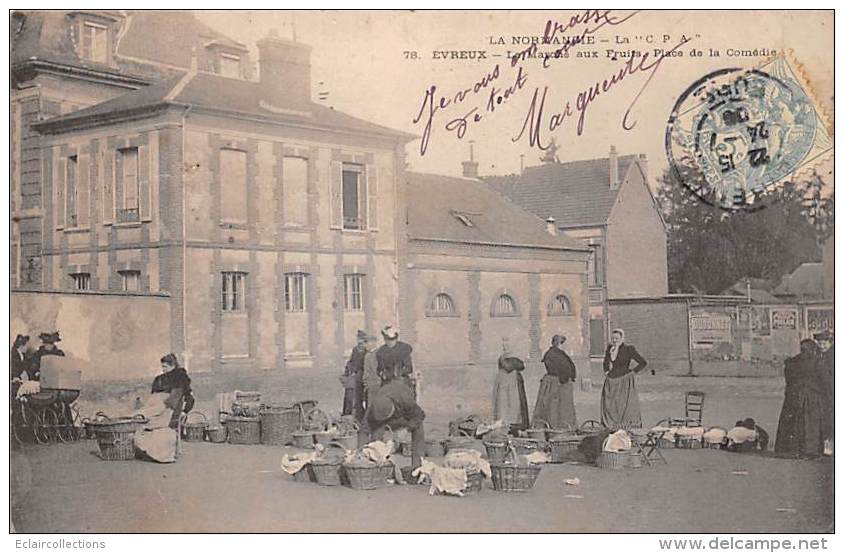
(614, 347)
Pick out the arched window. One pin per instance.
(442, 304)
(505, 305)
(560, 305)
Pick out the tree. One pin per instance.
(709, 248)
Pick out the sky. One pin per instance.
(365, 60)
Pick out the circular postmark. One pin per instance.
(735, 133)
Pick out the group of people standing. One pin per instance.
(806, 420)
(25, 362)
(555, 400)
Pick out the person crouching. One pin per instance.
(393, 405)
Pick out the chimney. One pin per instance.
(285, 72)
(551, 226)
(470, 168)
(613, 168)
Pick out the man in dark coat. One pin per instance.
(394, 357)
(353, 379)
(393, 405)
(48, 347)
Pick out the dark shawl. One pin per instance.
(510, 364)
(17, 364)
(621, 365)
(559, 364)
(394, 361)
(176, 383)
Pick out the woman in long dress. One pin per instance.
(555, 401)
(804, 420)
(509, 401)
(619, 398)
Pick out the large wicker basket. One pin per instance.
(193, 429)
(278, 424)
(328, 472)
(613, 460)
(303, 439)
(244, 430)
(305, 474)
(496, 451)
(514, 478)
(216, 434)
(525, 446)
(116, 437)
(368, 478)
(564, 448)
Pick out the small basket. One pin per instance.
(510, 477)
(305, 474)
(539, 430)
(216, 434)
(303, 439)
(688, 442)
(328, 473)
(194, 430)
(496, 451)
(634, 460)
(349, 441)
(555, 433)
(368, 478)
(325, 438)
(474, 482)
(278, 424)
(244, 430)
(525, 446)
(564, 449)
(434, 448)
(613, 460)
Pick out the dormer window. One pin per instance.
(93, 42)
(229, 66)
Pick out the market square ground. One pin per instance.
(226, 488)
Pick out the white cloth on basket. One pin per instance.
(618, 441)
(715, 435)
(694, 431)
(444, 480)
(468, 459)
(291, 464)
(28, 387)
(740, 434)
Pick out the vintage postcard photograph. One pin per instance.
(433, 271)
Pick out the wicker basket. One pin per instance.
(555, 433)
(368, 478)
(193, 430)
(328, 473)
(525, 446)
(613, 460)
(278, 424)
(349, 441)
(459, 442)
(688, 442)
(434, 448)
(305, 474)
(216, 434)
(509, 477)
(496, 451)
(474, 482)
(244, 430)
(538, 432)
(564, 449)
(303, 439)
(634, 460)
(116, 437)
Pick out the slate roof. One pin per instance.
(575, 193)
(805, 281)
(215, 92)
(436, 201)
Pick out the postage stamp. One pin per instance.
(735, 133)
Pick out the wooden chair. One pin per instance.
(694, 409)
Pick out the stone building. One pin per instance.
(607, 205)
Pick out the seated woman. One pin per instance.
(171, 395)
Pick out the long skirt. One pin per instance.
(157, 445)
(509, 402)
(555, 403)
(620, 403)
(353, 399)
(804, 424)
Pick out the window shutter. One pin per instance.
(83, 186)
(60, 184)
(118, 179)
(372, 197)
(143, 182)
(336, 195)
(108, 187)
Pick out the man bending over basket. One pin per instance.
(393, 406)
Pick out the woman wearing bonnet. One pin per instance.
(619, 399)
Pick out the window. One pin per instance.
(234, 291)
(442, 304)
(94, 42)
(353, 292)
(505, 306)
(560, 305)
(128, 186)
(595, 266)
(233, 185)
(72, 192)
(295, 182)
(230, 66)
(130, 281)
(294, 292)
(81, 281)
(354, 197)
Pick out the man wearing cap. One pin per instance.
(48, 347)
(393, 405)
(394, 357)
(353, 379)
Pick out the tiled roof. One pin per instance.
(216, 92)
(805, 281)
(575, 193)
(440, 206)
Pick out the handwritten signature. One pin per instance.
(486, 94)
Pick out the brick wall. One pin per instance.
(658, 330)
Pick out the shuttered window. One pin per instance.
(295, 293)
(234, 291)
(353, 292)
